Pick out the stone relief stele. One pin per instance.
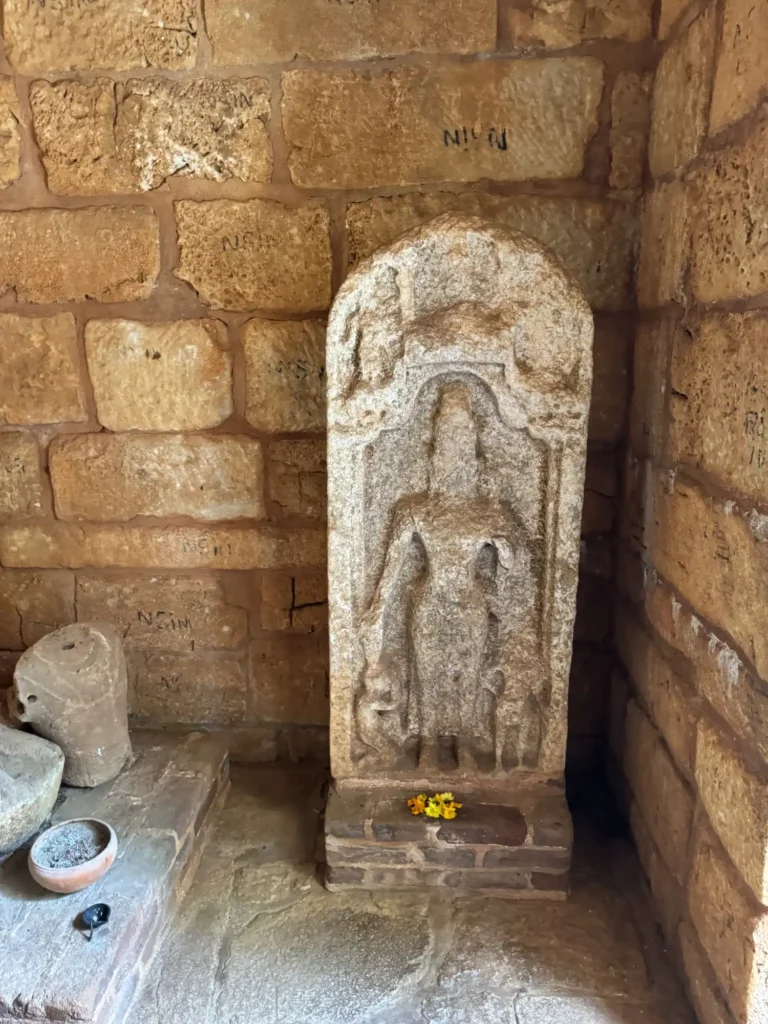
(460, 369)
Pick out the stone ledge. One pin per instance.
(160, 808)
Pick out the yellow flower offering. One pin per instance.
(441, 805)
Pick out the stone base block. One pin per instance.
(519, 848)
(161, 807)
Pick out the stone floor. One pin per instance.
(259, 941)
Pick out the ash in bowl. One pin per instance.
(71, 844)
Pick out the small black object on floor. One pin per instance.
(92, 918)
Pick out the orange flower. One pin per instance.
(417, 803)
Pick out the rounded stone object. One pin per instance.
(72, 688)
(30, 776)
(73, 854)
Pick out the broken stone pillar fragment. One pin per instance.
(30, 776)
(72, 688)
(460, 370)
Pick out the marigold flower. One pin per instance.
(416, 803)
(441, 805)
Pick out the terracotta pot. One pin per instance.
(73, 854)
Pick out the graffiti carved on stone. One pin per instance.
(459, 365)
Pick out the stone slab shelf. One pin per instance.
(160, 808)
(520, 849)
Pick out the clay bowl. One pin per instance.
(72, 855)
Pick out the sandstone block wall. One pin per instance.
(690, 708)
(183, 187)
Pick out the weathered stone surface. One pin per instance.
(531, 1009)
(437, 505)
(295, 942)
(62, 35)
(297, 477)
(106, 253)
(665, 247)
(289, 679)
(173, 375)
(33, 604)
(662, 795)
(670, 12)
(102, 137)
(117, 477)
(732, 928)
(561, 24)
(736, 801)
(10, 133)
(30, 776)
(718, 560)
(702, 986)
(730, 236)
(461, 122)
(167, 613)
(256, 254)
(719, 398)
(180, 689)
(23, 493)
(40, 377)
(275, 32)
(66, 545)
(740, 76)
(72, 687)
(664, 693)
(525, 950)
(594, 239)
(681, 97)
(668, 894)
(630, 115)
(285, 375)
(649, 387)
(722, 678)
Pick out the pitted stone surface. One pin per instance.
(72, 688)
(276, 32)
(213, 477)
(30, 775)
(10, 133)
(101, 137)
(40, 376)
(285, 375)
(503, 120)
(105, 253)
(256, 255)
(86, 35)
(23, 493)
(173, 375)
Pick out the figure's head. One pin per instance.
(453, 463)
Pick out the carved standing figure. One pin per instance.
(448, 711)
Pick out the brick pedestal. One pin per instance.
(519, 848)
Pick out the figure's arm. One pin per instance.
(402, 533)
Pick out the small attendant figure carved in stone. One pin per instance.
(72, 688)
(466, 539)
